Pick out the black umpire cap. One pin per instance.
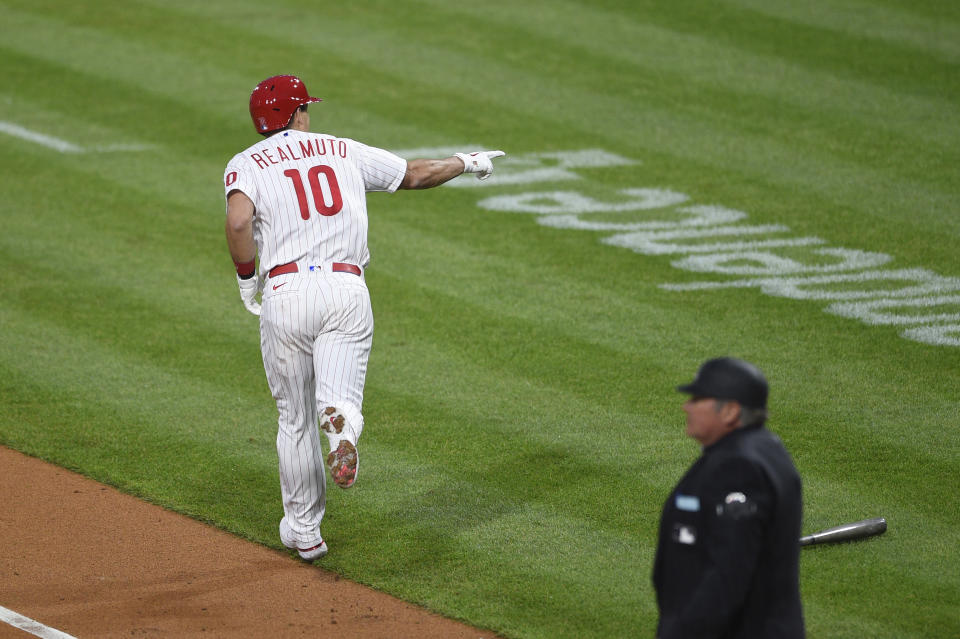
(729, 378)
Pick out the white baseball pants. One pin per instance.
(316, 331)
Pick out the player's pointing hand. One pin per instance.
(479, 162)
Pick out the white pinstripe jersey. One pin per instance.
(309, 190)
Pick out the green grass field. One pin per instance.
(522, 424)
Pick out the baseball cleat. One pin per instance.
(307, 554)
(315, 552)
(344, 463)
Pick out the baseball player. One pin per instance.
(298, 201)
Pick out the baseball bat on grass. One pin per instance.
(846, 532)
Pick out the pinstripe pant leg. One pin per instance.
(341, 354)
(288, 326)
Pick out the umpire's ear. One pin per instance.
(730, 413)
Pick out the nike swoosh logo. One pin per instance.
(276, 286)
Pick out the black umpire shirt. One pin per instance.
(727, 559)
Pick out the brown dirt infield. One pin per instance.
(90, 561)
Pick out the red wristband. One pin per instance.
(246, 269)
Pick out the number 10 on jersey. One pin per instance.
(326, 192)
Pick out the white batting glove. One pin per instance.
(248, 293)
(479, 162)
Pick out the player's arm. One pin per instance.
(426, 174)
(239, 229)
(243, 248)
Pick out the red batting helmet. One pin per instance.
(274, 101)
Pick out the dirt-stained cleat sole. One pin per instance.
(344, 463)
(332, 421)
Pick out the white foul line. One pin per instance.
(54, 143)
(62, 145)
(29, 625)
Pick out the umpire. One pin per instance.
(728, 554)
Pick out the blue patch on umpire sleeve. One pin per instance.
(689, 503)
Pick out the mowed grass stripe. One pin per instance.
(116, 236)
(911, 26)
(562, 458)
(711, 72)
(839, 146)
(832, 500)
(130, 422)
(154, 64)
(594, 394)
(604, 297)
(94, 301)
(819, 47)
(564, 57)
(173, 171)
(97, 279)
(841, 586)
(121, 42)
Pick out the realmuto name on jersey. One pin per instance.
(316, 146)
